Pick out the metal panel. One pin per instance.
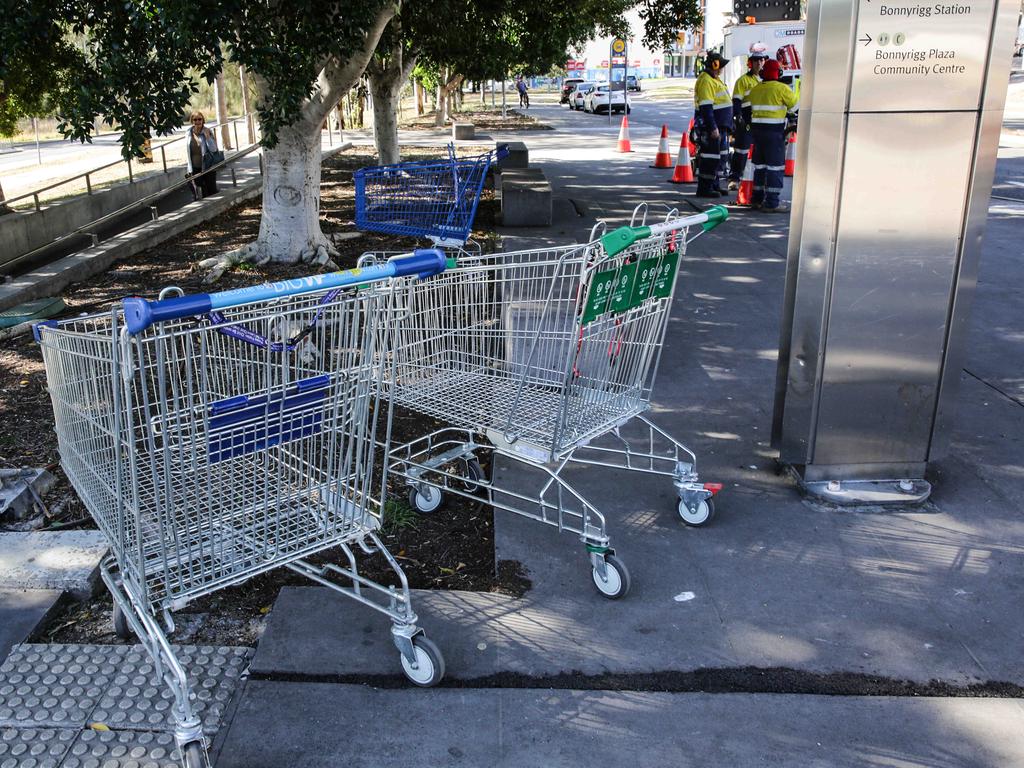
(890, 200)
(827, 59)
(898, 240)
(1003, 34)
(915, 56)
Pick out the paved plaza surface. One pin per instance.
(778, 594)
(785, 633)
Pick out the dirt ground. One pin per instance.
(483, 117)
(451, 549)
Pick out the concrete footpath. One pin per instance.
(785, 633)
(789, 610)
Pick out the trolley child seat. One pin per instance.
(543, 352)
(436, 199)
(215, 437)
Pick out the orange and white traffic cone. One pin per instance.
(791, 154)
(684, 164)
(745, 194)
(624, 145)
(663, 159)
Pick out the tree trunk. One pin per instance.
(387, 75)
(290, 226)
(290, 223)
(385, 118)
(439, 101)
(246, 109)
(483, 93)
(221, 103)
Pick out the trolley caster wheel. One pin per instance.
(474, 473)
(122, 628)
(615, 582)
(698, 515)
(193, 755)
(425, 499)
(429, 663)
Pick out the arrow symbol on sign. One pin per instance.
(862, 40)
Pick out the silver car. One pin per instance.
(577, 95)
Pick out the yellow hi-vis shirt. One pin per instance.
(769, 103)
(711, 91)
(743, 87)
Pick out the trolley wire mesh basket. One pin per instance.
(536, 355)
(214, 437)
(436, 199)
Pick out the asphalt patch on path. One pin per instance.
(718, 680)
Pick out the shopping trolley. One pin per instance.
(436, 199)
(533, 356)
(215, 437)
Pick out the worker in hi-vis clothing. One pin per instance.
(741, 134)
(770, 102)
(713, 122)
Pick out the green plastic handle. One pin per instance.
(716, 215)
(623, 237)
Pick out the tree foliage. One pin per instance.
(136, 66)
(37, 60)
(491, 38)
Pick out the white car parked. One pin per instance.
(601, 99)
(578, 93)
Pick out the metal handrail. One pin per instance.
(34, 194)
(84, 229)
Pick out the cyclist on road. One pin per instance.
(524, 97)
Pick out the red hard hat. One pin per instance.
(771, 70)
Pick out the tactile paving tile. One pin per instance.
(136, 700)
(55, 685)
(122, 749)
(34, 747)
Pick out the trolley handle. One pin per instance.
(623, 237)
(140, 313)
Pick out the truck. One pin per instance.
(774, 35)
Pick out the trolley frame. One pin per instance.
(216, 437)
(548, 363)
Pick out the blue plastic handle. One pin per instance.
(139, 313)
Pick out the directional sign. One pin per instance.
(911, 56)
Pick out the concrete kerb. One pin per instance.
(54, 278)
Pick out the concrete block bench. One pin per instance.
(525, 198)
(463, 131)
(518, 155)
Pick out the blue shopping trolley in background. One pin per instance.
(436, 199)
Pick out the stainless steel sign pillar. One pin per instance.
(900, 114)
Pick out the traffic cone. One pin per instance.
(663, 159)
(684, 164)
(745, 194)
(791, 154)
(689, 141)
(624, 145)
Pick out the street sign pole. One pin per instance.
(617, 59)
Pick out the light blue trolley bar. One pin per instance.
(140, 314)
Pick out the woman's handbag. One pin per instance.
(211, 159)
